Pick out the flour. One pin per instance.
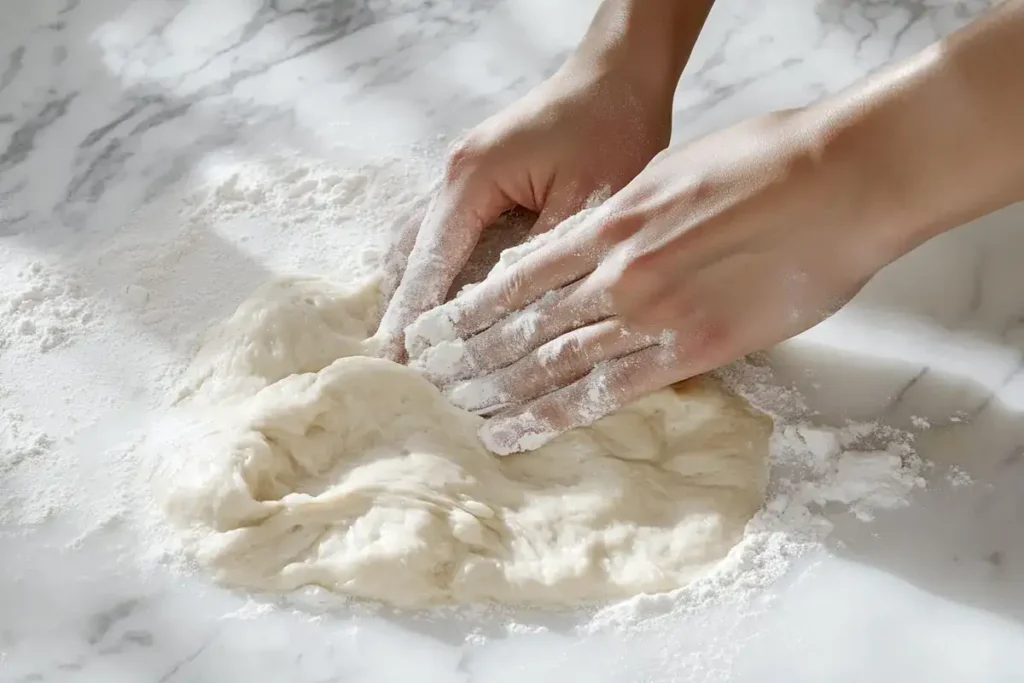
(444, 359)
(840, 472)
(957, 477)
(27, 469)
(20, 443)
(300, 193)
(866, 466)
(42, 309)
(434, 327)
(481, 396)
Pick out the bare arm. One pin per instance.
(942, 134)
(652, 39)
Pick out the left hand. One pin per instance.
(716, 250)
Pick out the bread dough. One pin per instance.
(309, 463)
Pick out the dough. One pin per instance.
(309, 463)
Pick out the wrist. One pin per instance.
(645, 43)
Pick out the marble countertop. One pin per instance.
(106, 104)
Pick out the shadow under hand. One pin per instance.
(511, 228)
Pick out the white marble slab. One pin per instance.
(106, 104)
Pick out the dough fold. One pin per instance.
(307, 462)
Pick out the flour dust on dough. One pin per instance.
(310, 463)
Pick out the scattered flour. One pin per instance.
(920, 422)
(300, 193)
(29, 491)
(42, 309)
(430, 329)
(958, 477)
(840, 472)
(444, 359)
(20, 443)
(482, 396)
(187, 263)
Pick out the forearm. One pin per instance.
(942, 134)
(649, 41)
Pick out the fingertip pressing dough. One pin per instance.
(309, 462)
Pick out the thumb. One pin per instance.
(444, 243)
(403, 237)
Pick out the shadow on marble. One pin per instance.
(139, 143)
(937, 341)
(961, 541)
(968, 278)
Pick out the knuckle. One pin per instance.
(565, 354)
(633, 284)
(553, 415)
(463, 156)
(638, 267)
(702, 190)
(617, 228)
(626, 385)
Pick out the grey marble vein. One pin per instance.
(182, 665)
(106, 106)
(22, 141)
(104, 621)
(12, 68)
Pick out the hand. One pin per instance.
(717, 249)
(591, 127)
(738, 241)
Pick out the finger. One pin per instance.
(562, 258)
(512, 284)
(443, 244)
(555, 364)
(604, 390)
(511, 338)
(403, 237)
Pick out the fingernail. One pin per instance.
(514, 434)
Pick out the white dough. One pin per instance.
(312, 464)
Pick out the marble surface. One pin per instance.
(106, 104)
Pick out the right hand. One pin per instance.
(719, 248)
(588, 129)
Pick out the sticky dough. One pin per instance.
(306, 462)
